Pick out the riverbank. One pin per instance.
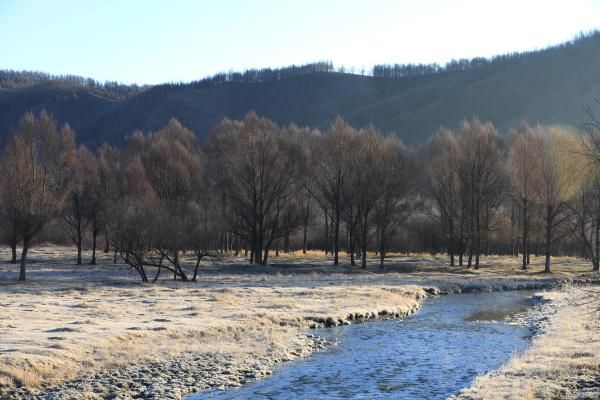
(563, 361)
(96, 332)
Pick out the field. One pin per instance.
(68, 327)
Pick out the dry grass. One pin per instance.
(420, 263)
(51, 331)
(70, 319)
(558, 361)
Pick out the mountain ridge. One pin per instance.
(547, 86)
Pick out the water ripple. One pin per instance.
(432, 354)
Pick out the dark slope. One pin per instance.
(312, 100)
(75, 105)
(548, 86)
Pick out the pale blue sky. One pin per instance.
(157, 41)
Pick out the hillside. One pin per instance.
(548, 86)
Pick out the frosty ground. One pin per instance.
(97, 332)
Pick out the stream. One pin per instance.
(429, 355)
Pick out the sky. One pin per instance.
(154, 41)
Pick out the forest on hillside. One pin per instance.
(256, 189)
(549, 86)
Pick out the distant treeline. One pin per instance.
(265, 74)
(399, 71)
(10, 79)
(19, 79)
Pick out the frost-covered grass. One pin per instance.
(68, 320)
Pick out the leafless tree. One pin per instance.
(82, 202)
(108, 162)
(445, 187)
(8, 218)
(330, 154)
(482, 178)
(557, 169)
(587, 210)
(399, 182)
(523, 179)
(369, 183)
(259, 169)
(35, 164)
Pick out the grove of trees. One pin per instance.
(164, 202)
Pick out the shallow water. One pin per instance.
(429, 355)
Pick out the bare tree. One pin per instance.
(557, 170)
(172, 169)
(398, 186)
(526, 140)
(482, 179)
(35, 164)
(445, 187)
(587, 210)
(369, 183)
(305, 195)
(81, 205)
(8, 218)
(259, 168)
(330, 155)
(108, 162)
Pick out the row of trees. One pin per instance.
(538, 178)
(270, 180)
(255, 75)
(12, 79)
(163, 202)
(398, 71)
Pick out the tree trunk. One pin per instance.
(304, 238)
(336, 237)
(525, 237)
(106, 244)
(364, 242)
(596, 255)
(352, 245)
(258, 240)
(158, 271)
(326, 232)
(470, 259)
(548, 249)
(451, 244)
(198, 265)
(22, 272)
(477, 249)
(364, 258)
(79, 241)
(140, 268)
(461, 241)
(382, 238)
(13, 248)
(94, 237)
(478, 230)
